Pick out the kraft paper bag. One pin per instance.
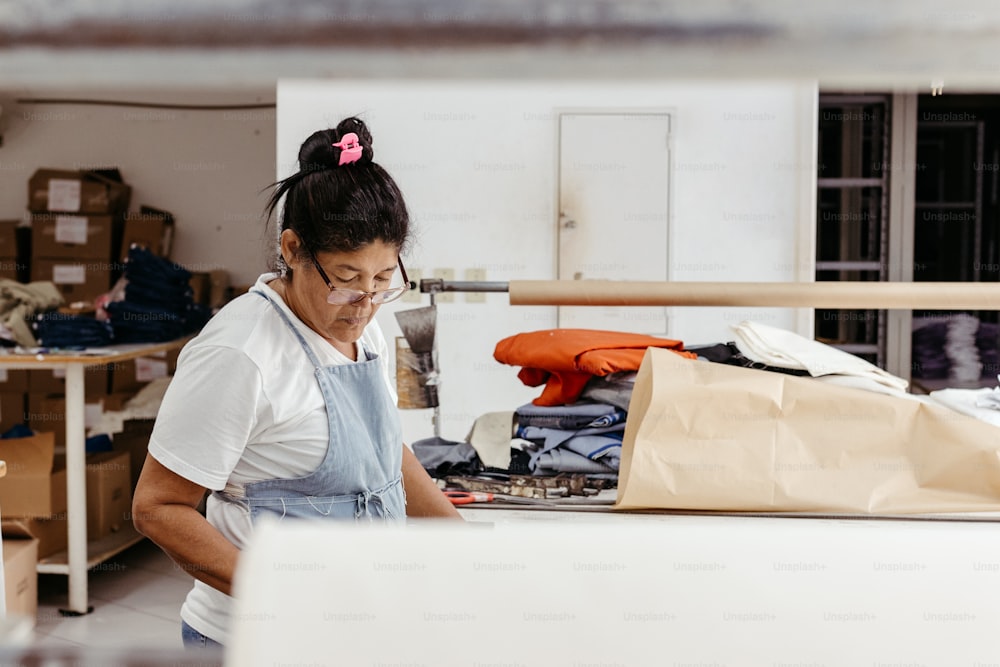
(708, 436)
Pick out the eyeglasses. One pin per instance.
(343, 297)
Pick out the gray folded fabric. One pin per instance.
(562, 460)
(441, 457)
(614, 389)
(573, 416)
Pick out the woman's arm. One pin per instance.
(423, 497)
(164, 509)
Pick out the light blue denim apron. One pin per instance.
(360, 476)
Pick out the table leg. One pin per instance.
(76, 492)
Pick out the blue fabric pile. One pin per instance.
(55, 329)
(575, 438)
(158, 305)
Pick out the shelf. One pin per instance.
(845, 182)
(857, 348)
(928, 386)
(98, 551)
(849, 265)
(944, 204)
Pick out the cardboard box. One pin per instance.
(109, 493)
(134, 439)
(109, 506)
(52, 533)
(134, 374)
(10, 266)
(35, 484)
(11, 269)
(48, 413)
(68, 191)
(13, 381)
(201, 286)
(20, 575)
(211, 288)
(66, 236)
(77, 280)
(11, 411)
(8, 238)
(150, 228)
(53, 381)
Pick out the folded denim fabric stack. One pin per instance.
(573, 438)
(158, 304)
(55, 329)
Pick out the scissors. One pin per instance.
(466, 497)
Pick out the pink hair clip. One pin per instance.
(350, 149)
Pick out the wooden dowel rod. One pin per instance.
(865, 295)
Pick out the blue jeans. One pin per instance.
(194, 639)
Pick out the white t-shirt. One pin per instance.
(244, 406)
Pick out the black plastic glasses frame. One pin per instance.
(378, 297)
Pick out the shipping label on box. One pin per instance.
(35, 483)
(76, 280)
(69, 274)
(71, 229)
(64, 194)
(134, 374)
(148, 369)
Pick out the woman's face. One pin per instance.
(367, 269)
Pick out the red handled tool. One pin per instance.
(467, 497)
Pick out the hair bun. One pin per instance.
(319, 152)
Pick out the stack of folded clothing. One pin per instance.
(55, 329)
(19, 303)
(574, 438)
(158, 304)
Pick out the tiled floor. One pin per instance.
(136, 597)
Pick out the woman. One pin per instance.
(283, 405)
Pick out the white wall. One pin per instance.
(476, 161)
(206, 167)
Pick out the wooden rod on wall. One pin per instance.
(864, 295)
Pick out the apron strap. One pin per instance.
(313, 359)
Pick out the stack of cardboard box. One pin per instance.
(77, 219)
(33, 506)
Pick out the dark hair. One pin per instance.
(339, 208)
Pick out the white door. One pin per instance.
(614, 171)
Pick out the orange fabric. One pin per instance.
(565, 359)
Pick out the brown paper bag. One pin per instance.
(707, 436)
